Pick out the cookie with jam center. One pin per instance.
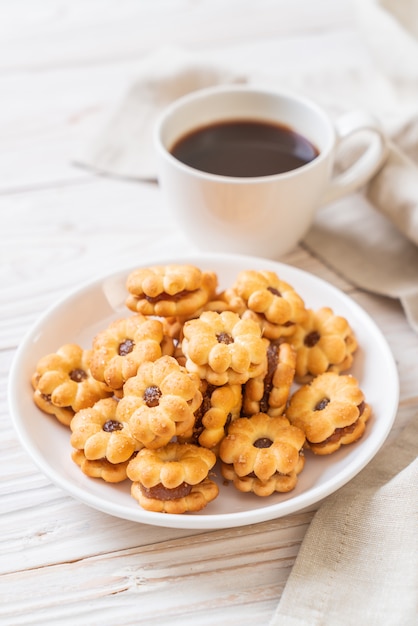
(159, 402)
(268, 300)
(223, 348)
(269, 393)
(173, 478)
(119, 349)
(63, 383)
(262, 454)
(100, 435)
(169, 290)
(331, 410)
(324, 342)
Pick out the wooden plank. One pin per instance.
(91, 32)
(193, 574)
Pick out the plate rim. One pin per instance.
(202, 520)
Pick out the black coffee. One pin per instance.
(244, 149)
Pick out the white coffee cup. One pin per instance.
(262, 215)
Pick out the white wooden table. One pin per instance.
(63, 65)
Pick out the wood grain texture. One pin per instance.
(192, 574)
(63, 66)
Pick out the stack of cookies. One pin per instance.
(247, 377)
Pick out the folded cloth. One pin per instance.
(369, 239)
(124, 146)
(390, 29)
(358, 242)
(365, 255)
(358, 561)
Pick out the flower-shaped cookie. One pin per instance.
(173, 479)
(331, 410)
(119, 349)
(169, 290)
(323, 342)
(100, 468)
(259, 451)
(222, 348)
(63, 383)
(99, 433)
(159, 402)
(270, 393)
(220, 406)
(269, 300)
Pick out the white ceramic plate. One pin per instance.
(90, 308)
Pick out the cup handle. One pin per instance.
(360, 172)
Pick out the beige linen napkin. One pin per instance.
(371, 239)
(358, 242)
(358, 563)
(124, 146)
